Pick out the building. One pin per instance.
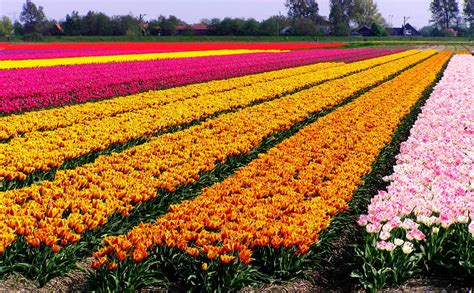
(197, 29)
(363, 31)
(405, 30)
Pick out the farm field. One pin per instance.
(221, 166)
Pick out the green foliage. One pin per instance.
(6, 26)
(444, 12)
(428, 31)
(194, 274)
(20, 257)
(305, 27)
(18, 28)
(73, 24)
(33, 18)
(96, 24)
(33, 37)
(468, 11)
(381, 268)
(365, 12)
(302, 9)
(378, 30)
(339, 17)
(168, 25)
(273, 25)
(446, 251)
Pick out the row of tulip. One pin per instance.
(14, 64)
(44, 150)
(286, 197)
(57, 212)
(431, 194)
(51, 119)
(29, 89)
(173, 46)
(50, 54)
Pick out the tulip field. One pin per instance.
(218, 166)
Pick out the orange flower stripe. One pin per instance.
(44, 150)
(286, 197)
(116, 183)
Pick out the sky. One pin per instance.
(193, 11)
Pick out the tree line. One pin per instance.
(302, 19)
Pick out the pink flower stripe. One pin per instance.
(175, 46)
(432, 186)
(55, 86)
(49, 54)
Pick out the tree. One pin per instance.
(378, 30)
(305, 27)
(73, 25)
(469, 13)
(303, 9)
(365, 12)
(251, 28)
(96, 24)
(125, 25)
(339, 16)
(6, 26)
(168, 25)
(273, 25)
(18, 28)
(444, 12)
(33, 18)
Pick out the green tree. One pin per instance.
(444, 12)
(303, 9)
(168, 25)
(251, 28)
(305, 27)
(96, 24)
(18, 28)
(154, 27)
(378, 30)
(73, 24)
(339, 16)
(125, 25)
(33, 18)
(273, 25)
(6, 26)
(365, 12)
(469, 13)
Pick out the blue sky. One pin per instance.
(192, 11)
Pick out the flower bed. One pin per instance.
(426, 215)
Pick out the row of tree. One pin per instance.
(345, 14)
(302, 19)
(446, 14)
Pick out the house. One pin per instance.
(197, 29)
(363, 31)
(405, 30)
(200, 29)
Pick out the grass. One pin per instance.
(367, 41)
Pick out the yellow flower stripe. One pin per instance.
(45, 150)
(13, 64)
(14, 125)
(118, 182)
(286, 197)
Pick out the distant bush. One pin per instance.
(33, 37)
